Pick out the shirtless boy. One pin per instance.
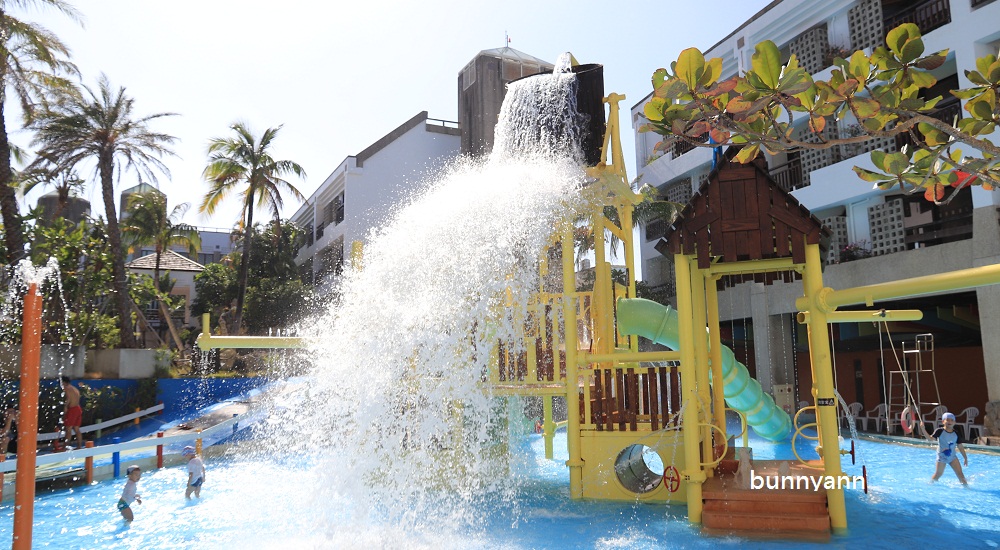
(74, 414)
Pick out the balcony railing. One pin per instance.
(946, 112)
(951, 229)
(927, 15)
(680, 147)
(789, 175)
(977, 3)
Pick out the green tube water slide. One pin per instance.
(658, 323)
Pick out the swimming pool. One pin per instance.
(275, 500)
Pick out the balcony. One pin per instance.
(947, 111)
(925, 15)
(788, 176)
(680, 146)
(939, 232)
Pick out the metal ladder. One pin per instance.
(918, 363)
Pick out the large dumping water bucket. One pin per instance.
(592, 122)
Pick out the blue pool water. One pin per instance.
(275, 501)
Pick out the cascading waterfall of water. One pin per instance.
(396, 401)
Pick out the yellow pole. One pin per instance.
(548, 426)
(628, 356)
(826, 399)
(715, 349)
(699, 318)
(865, 316)
(916, 286)
(27, 427)
(575, 462)
(693, 473)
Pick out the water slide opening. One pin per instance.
(639, 468)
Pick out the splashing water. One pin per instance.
(397, 401)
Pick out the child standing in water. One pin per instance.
(948, 441)
(196, 472)
(129, 493)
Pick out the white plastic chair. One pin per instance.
(878, 415)
(934, 417)
(967, 419)
(854, 411)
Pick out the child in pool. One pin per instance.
(196, 472)
(129, 494)
(948, 441)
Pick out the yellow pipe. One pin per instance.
(953, 280)
(715, 351)
(573, 444)
(206, 341)
(863, 316)
(548, 427)
(826, 399)
(692, 473)
(629, 357)
(700, 319)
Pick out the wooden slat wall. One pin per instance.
(626, 399)
(740, 214)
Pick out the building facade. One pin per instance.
(360, 194)
(877, 235)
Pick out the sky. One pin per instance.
(337, 76)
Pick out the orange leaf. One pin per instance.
(935, 193)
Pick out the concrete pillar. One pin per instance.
(761, 335)
(986, 249)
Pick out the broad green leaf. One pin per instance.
(766, 63)
(860, 66)
(865, 107)
(690, 67)
(747, 153)
(794, 81)
(896, 38)
(878, 158)
(896, 163)
(872, 124)
(659, 75)
(922, 79)
(976, 78)
(912, 49)
(932, 136)
(713, 70)
(968, 93)
(869, 176)
(983, 63)
(654, 109)
(993, 73)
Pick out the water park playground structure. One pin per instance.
(583, 346)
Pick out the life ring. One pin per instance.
(908, 419)
(671, 479)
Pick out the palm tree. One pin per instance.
(101, 126)
(149, 223)
(32, 59)
(244, 161)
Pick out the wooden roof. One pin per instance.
(169, 261)
(741, 214)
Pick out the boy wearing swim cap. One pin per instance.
(196, 472)
(948, 441)
(128, 494)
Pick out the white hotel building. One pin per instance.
(906, 235)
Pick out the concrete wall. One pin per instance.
(56, 361)
(125, 363)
